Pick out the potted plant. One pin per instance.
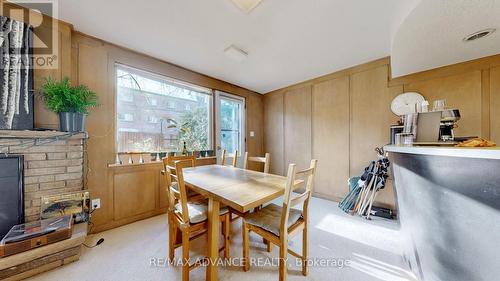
(70, 102)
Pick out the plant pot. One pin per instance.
(72, 121)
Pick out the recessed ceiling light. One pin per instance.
(246, 5)
(235, 53)
(479, 34)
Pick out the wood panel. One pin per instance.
(494, 105)
(254, 122)
(330, 136)
(370, 116)
(462, 91)
(92, 71)
(273, 131)
(142, 184)
(297, 133)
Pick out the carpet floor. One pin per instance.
(342, 247)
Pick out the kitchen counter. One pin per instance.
(472, 152)
(449, 210)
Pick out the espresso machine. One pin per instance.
(449, 119)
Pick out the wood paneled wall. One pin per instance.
(350, 115)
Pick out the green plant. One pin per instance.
(60, 96)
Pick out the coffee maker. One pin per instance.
(449, 119)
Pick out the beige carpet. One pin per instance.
(137, 252)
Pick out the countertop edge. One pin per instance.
(473, 152)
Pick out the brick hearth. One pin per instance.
(53, 164)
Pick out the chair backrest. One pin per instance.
(296, 180)
(170, 160)
(177, 192)
(225, 155)
(266, 160)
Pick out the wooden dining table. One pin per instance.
(240, 189)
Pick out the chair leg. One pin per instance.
(185, 255)
(282, 261)
(246, 247)
(172, 233)
(230, 219)
(304, 251)
(269, 246)
(227, 230)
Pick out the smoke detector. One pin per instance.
(235, 53)
(246, 5)
(480, 34)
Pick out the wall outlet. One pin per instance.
(96, 203)
(252, 134)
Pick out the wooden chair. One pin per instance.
(276, 224)
(266, 160)
(170, 161)
(224, 157)
(188, 217)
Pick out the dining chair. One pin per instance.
(266, 160)
(224, 157)
(277, 223)
(169, 160)
(189, 217)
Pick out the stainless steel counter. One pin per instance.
(485, 153)
(449, 209)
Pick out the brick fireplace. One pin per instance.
(53, 164)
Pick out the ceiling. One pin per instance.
(287, 41)
(432, 34)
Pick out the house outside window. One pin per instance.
(157, 119)
(171, 104)
(126, 117)
(153, 119)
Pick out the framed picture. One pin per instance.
(16, 75)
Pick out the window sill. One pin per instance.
(152, 163)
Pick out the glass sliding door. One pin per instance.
(230, 134)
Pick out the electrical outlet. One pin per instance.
(252, 134)
(96, 203)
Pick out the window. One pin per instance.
(159, 124)
(153, 119)
(171, 104)
(127, 117)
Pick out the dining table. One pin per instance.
(243, 190)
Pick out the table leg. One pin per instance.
(213, 239)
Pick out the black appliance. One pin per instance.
(11, 191)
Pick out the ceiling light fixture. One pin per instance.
(246, 5)
(235, 53)
(480, 34)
